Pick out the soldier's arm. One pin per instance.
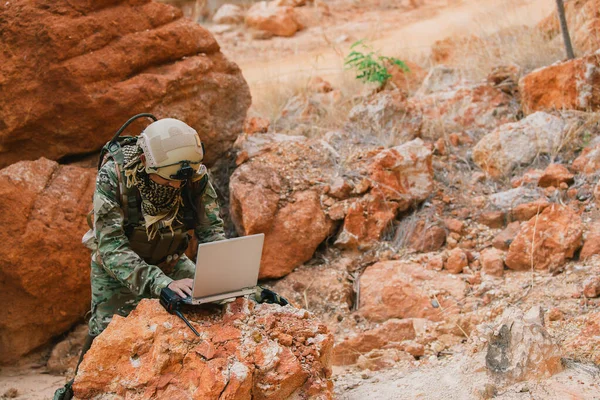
(118, 259)
(210, 225)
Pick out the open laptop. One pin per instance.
(226, 269)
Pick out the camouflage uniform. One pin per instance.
(121, 278)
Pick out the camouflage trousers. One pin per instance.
(110, 297)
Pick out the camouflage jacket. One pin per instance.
(110, 244)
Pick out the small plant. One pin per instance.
(370, 66)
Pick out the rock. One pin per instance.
(510, 199)
(570, 85)
(292, 232)
(229, 14)
(445, 50)
(457, 260)
(44, 273)
(292, 3)
(492, 219)
(503, 240)
(242, 353)
(591, 245)
(406, 81)
(65, 354)
(474, 109)
(514, 144)
(403, 173)
(546, 241)
(426, 237)
(588, 161)
(387, 113)
(517, 348)
(591, 287)
(401, 289)
(492, 262)
(505, 78)
(366, 221)
(388, 334)
(255, 125)
(303, 110)
(98, 71)
(584, 345)
(379, 359)
(340, 189)
(554, 175)
(269, 17)
(324, 289)
(524, 212)
(454, 225)
(583, 21)
(441, 78)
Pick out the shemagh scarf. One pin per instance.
(160, 203)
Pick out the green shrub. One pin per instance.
(370, 66)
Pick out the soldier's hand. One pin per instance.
(183, 287)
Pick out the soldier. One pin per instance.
(150, 191)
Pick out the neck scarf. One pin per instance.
(160, 203)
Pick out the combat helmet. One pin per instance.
(173, 149)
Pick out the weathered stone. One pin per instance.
(241, 353)
(588, 161)
(379, 359)
(229, 14)
(554, 175)
(591, 287)
(340, 188)
(366, 220)
(426, 237)
(492, 262)
(73, 73)
(585, 345)
(546, 241)
(403, 173)
(272, 18)
(390, 333)
(492, 219)
(517, 347)
(524, 212)
(571, 85)
(591, 245)
(457, 260)
(454, 225)
(503, 240)
(255, 125)
(400, 289)
(513, 144)
(44, 272)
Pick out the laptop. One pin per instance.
(226, 269)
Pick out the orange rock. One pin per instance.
(492, 219)
(98, 72)
(340, 188)
(400, 289)
(524, 212)
(403, 173)
(492, 262)
(457, 260)
(152, 354)
(588, 161)
(425, 238)
(366, 220)
(436, 262)
(503, 240)
(392, 331)
(277, 20)
(591, 246)
(567, 85)
(554, 175)
(44, 272)
(253, 125)
(591, 287)
(554, 236)
(454, 225)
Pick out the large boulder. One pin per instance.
(400, 289)
(44, 272)
(246, 351)
(513, 144)
(273, 18)
(547, 240)
(571, 85)
(73, 73)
